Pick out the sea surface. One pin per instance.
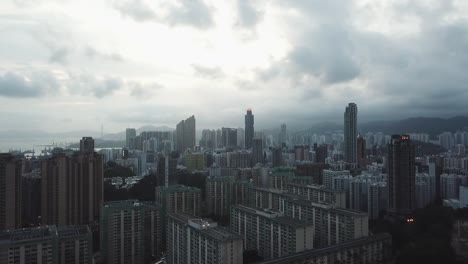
(23, 144)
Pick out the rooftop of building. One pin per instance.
(206, 226)
(309, 254)
(302, 201)
(315, 187)
(73, 231)
(129, 203)
(27, 234)
(275, 216)
(268, 190)
(220, 178)
(177, 188)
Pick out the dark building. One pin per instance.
(185, 134)
(167, 170)
(71, 188)
(249, 129)
(31, 196)
(276, 157)
(321, 153)
(11, 170)
(299, 152)
(283, 136)
(401, 170)
(257, 151)
(138, 143)
(361, 152)
(229, 137)
(130, 232)
(350, 133)
(130, 135)
(315, 171)
(87, 145)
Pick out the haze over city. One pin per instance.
(66, 65)
(237, 131)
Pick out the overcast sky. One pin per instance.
(72, 65)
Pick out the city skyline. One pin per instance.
(153, 62)
(237, 131)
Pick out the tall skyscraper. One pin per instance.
(249, 128)
(229, 137)
(130, 232)
(377, 199)
(31, 198)
(257, 151)
(321, 153)
(72, 188)
(185, 134)
(167, 170)
(130, 135)
(189, 132)
(361, 152)
(350, 133)
(283, 135)
(276, 157)
(194, 240)
(401, 176)
(87, 145)
(11, 170)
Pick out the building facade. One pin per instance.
(401, 175)
(331, 225)
(270, 233)
(47, 245)
(191, 240)
(72, 188)
(249, 129)
(319, 194)
(350, 133)
(373, 249)
(130, 232)
(11, 170)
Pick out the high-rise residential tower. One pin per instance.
(283, 135)
(401, 176)
(249, 128)
(130, 232)
(194, 240)
(185, 134)
(130, 135)
(229, 137)
(350, 133)
(72, 187)
(11, 170)
(257, 151)
(47, 245)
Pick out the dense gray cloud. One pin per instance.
(195, 13)
(92, 53)
(419, 74)
(17, 85)
(137, 10)
(143, 91)
(306, 61)
(208, 72)
(248, 14)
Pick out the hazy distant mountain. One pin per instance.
(431, 125)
